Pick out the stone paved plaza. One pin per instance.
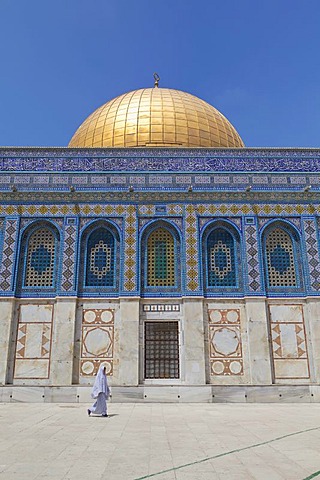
(160, 441)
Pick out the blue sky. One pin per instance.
(258, 62)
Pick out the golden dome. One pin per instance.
(156, 117)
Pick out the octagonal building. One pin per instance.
(158, 245)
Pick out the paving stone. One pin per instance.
(198, 441)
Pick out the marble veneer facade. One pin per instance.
(244, 226)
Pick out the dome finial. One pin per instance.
(156, 80)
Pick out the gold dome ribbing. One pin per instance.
(156, 117)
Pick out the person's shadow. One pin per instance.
(99, 416)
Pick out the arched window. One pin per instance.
(39, 258)
(280, 259)
(160, 259)
(100, 259)
(221, 270)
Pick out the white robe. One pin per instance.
(101, 392)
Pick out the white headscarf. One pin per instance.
(100, 384)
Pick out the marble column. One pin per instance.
(63, 341)
(258, 342)
(127, 331)
(6, 318)
(194, 347)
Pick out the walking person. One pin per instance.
(101, 392)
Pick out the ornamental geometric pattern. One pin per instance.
(33, 343)
(261, 160)
(9, 242)
(280, 259)
(252, 251)
(68, 260)
(225, 346)
(101, 210)
(310, 233)
(289, 344)
(221, 261)
(40, 259)
(130, 242)
(125, 215)
(161, 259)
(192, 250)
(100, 258)
(97, 346)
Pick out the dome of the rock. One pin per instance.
(156, 117)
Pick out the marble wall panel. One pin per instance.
(32, 368)
(33, 344)
(225, 344)
(289, 346)
(193, 351)
(6, 319)
(97, 345)
(36, 313)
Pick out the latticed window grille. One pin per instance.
(100, 259)
(280, 259)
(161, 266)
(39, 270)
(221, 259)
(161, 350)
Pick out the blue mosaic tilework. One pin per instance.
(176, 221)
(41, 179)
(184, 179)
(280, 259)
(247, 159)
(146, 181)
(161, 259)
(40, 259)
(312, 249)
(69, 257)
(38, 253)
(203, 221)
(253, 260)
(100, 261)
(192, 251)
(296, 221)
(146, 210)
(5, 178)
(100, 180)
(143, 222)
(240, 179)
(256, 179)
(283, 277)
(137, 180)
(279, 180)
(21, 179)
(79, 180)
(297, 179)
(314, 180)
(152, 285)
(221, 271)
(236, 221)
(174, 209)
(8, 254)
(222, 179)
(130, 279)
(202, 179)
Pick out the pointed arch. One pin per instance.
(281, 253)
(99, 258)
(221, 252)
(39, 258)
(160, 258)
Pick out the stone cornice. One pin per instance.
(157, 196)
